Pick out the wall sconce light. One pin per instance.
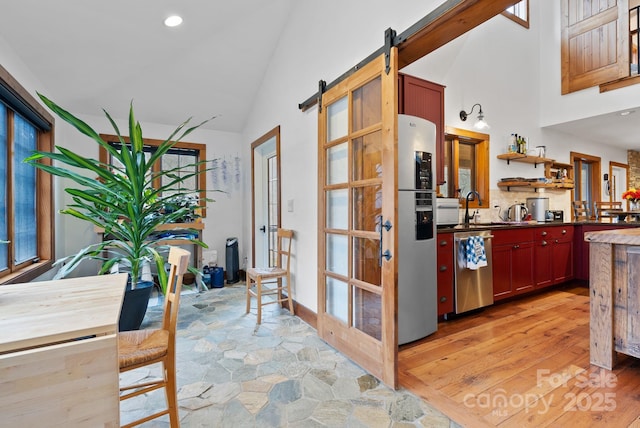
(480, 125)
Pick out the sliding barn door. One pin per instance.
(357, 291)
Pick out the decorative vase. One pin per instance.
(634, 205)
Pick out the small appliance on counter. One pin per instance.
(517, 212)
(538, 208)
(556, 216)
(448, 211)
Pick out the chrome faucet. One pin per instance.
(466, 207)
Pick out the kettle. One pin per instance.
(517, 212)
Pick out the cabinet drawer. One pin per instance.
(512, 236)
(562, 233)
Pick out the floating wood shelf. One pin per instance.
(520, 157)
(567, 184)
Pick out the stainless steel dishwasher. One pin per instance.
(473, 288)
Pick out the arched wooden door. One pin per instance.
(357, 290)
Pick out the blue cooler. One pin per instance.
(217, 277)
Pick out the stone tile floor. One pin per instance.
(280, 374)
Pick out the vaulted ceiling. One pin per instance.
(90, 55)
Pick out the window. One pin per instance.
(180, 156)
(26, 207)
(586, 175)
(519, 13)
(466, 165)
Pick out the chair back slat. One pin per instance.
(179, 261)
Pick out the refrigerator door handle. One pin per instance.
(386, 254)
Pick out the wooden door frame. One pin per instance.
(613, 164)
(595, 176)
(275, 132)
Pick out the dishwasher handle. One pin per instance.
(464, 239)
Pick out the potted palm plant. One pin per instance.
(121, 198)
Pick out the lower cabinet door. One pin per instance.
(562, 261)
(542, 264)
(522, 267)
(445, 273)
(502, 271)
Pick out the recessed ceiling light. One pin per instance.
(173, 21)
(627, 113)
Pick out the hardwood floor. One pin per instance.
(522, 364)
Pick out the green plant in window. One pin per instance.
(122, 199)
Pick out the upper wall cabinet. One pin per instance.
(595, 42)
(421, 98)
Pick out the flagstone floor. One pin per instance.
(281, 374)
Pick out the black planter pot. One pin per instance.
(134, 305)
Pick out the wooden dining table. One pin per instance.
(59, 352)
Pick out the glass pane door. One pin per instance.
(357, 296)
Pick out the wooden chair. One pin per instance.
(606, 210)
(272, 276)
(581, 211)
(140, 348)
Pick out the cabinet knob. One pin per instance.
(516, 246)
(544, 233)
(557, 241)
(443, 299)
(544, 243)
(443, 268)
(564, 231)
(443, 243)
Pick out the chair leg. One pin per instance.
(248, 294)
(279, 285)
(171, 393)
(289, 294)
(259, 293)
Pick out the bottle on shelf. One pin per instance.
(511, 147)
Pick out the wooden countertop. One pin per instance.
(40, 313)
(629, 236)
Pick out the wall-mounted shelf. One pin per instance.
(520, 157)
(552, 173)
(535, 185)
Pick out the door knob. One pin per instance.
(263, 229)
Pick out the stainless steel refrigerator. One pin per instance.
(417, 283)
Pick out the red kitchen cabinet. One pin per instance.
(553, 255)
(512, 256)
(421, 98)
(542, 257)
(562, 254)
(445, 272)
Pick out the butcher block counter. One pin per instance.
(614, 289)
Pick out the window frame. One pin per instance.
(515, 18)
(199, 148)
(19, 100)
(481, 144)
